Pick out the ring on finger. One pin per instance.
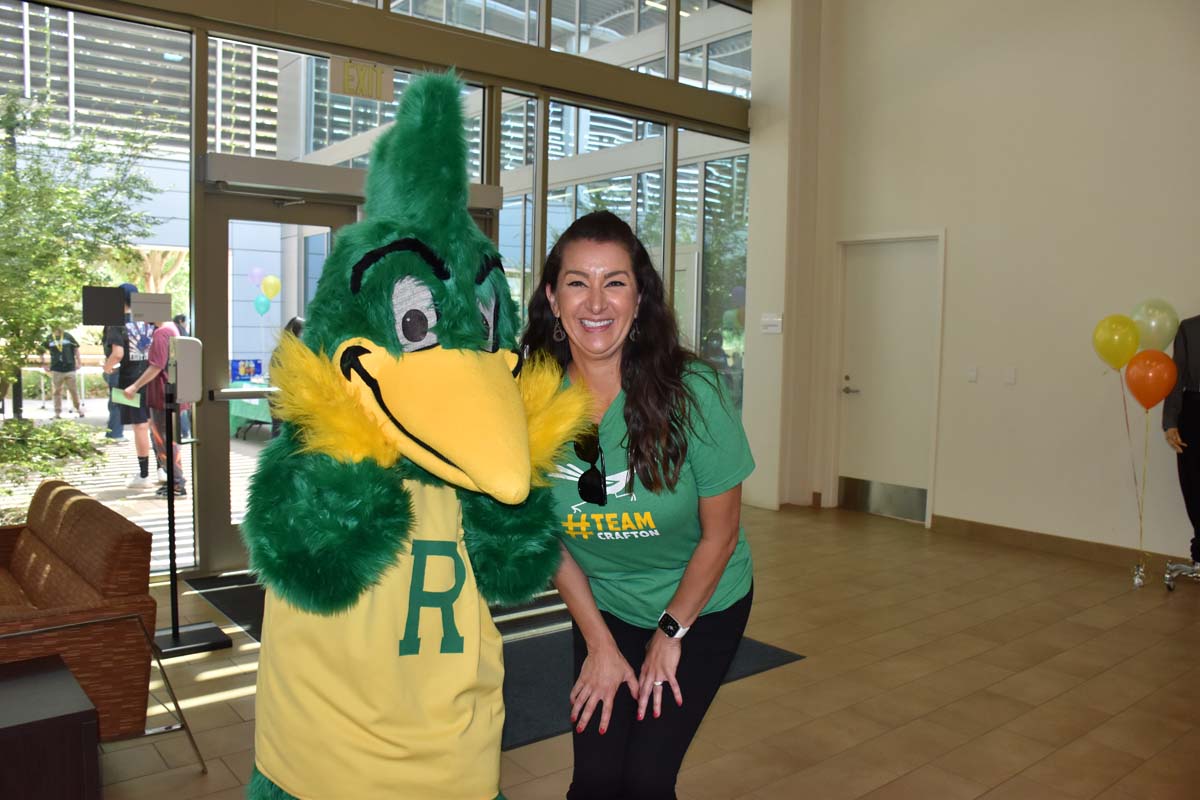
(658, 683)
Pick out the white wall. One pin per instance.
(1056, 142)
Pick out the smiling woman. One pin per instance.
(666, 461)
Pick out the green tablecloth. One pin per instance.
(244, 413)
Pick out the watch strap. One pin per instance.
(671, 627)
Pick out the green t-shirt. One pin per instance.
(635, 548)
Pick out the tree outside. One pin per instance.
(68, 205)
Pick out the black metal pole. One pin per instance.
(169, 450)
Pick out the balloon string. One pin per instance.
(1129, 438)
(1142, 495)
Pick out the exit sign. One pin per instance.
(361, 79)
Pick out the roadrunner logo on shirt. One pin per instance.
(611, 526)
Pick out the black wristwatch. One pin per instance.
(671, 627)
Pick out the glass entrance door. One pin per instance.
(261, 260)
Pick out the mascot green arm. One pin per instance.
(320, 531)
(513, 549)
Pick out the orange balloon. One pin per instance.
(1150, 376)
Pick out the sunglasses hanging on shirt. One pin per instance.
(592, 483)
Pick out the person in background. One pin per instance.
(294, 326)
(64, 361)
(1181, 423)
(128, 348)
(116, 428)
(650, 506)
(155, 381)
(185, 414)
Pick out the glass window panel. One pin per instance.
(128, 77)
(465, 14)
(652, 16)
(602, 22)
(401, 7)
(657, 68)
(649, 130)
(691, 66)
(600, 130)
(648, 224)
(609, 194)
(516, 244)
(687, 203)
(517, 119)
(687, 249)
(560, 213)
(723, 268)
(516, 131)
(628, 33)
(429, 9)
(729, 66)
(562, 130)
(564, 26)
(316, 249)
(243, 98)
(508, 19)
(335, 118)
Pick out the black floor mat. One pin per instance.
(537, 671)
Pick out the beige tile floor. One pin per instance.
(937, 667)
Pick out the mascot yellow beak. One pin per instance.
(470, 431)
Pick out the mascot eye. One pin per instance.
(415, 313)
(488, 315)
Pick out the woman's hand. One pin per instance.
(658, 670)
(1173, 439)
(600, 678)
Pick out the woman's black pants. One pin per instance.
(639, 760)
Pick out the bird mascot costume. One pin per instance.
(405, 491)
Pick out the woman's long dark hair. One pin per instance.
(657, 401)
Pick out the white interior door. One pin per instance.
(890, 356)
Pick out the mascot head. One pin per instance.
(408, 348)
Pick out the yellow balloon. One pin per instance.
(270, 287)
(1115, 339)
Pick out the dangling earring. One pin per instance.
(559, 334)
(634, 332)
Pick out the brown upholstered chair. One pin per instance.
(74, 560)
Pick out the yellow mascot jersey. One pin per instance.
(399, 697)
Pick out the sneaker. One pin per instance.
(80, 410)
(179, 491)
(139, 482)
(162, 476)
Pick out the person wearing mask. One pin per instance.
(655, 571)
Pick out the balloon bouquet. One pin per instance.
(1149, 374)
(268, 286)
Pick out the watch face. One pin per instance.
(669, 626)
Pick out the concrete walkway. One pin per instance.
(106, 481)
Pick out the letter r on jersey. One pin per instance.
(419, 597)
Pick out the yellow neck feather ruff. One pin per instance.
(315, 397)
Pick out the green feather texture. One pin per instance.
(320, 531)
(513, 549)
(417, 187)
(263, 788)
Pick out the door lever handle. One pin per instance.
(848, 390)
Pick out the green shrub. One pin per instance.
(29, 451)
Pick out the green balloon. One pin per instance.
(262, 304)
(1157, 323)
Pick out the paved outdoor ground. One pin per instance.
(107, 480)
